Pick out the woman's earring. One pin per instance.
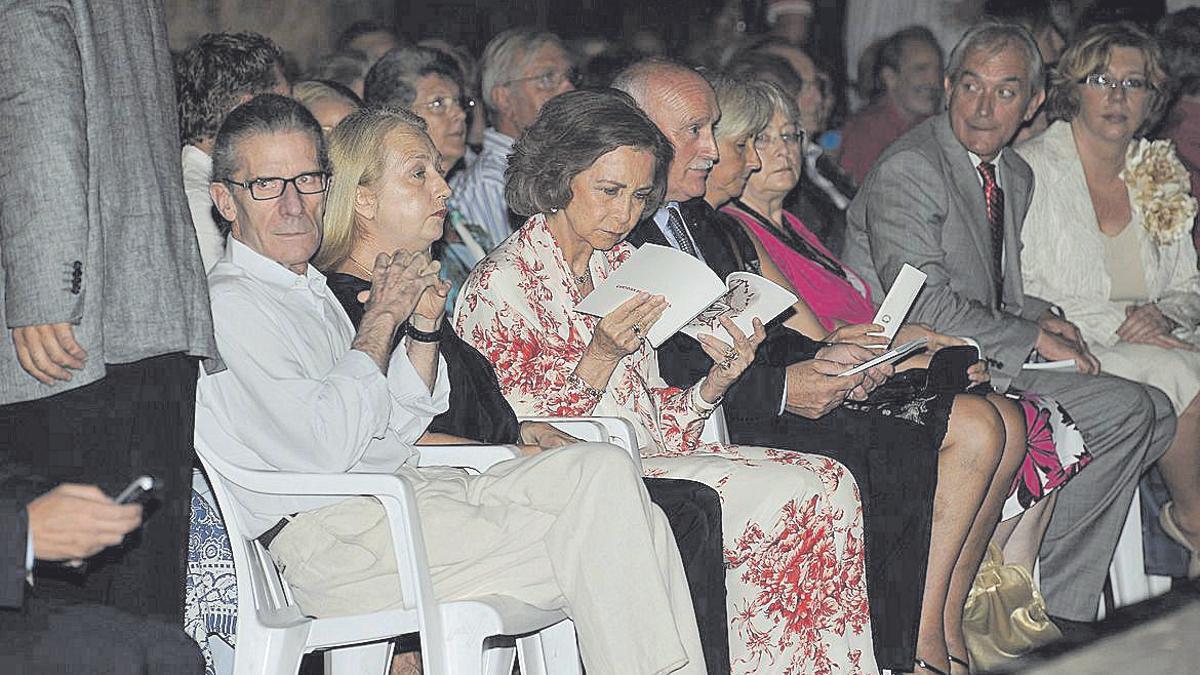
(553, 209)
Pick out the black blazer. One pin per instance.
(755, 399)
(17, 488)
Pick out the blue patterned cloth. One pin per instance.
(210, 610)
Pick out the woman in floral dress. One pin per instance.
(590, 168)
(1107, 240)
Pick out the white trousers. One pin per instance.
(570, 528)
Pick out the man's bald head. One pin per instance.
(684, 107)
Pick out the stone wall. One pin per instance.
(303, 28)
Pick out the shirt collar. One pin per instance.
(494, 141)
(661, 215)
(976, 161)
(274, 275)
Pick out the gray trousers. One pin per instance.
(1127, 427)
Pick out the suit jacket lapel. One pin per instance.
(965, 188)
(1018, 188)
(647, 232)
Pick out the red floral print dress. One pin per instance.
(796, 583)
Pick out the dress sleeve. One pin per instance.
(1180, 300)
(534, 365)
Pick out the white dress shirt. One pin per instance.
(294, 396)
(197, 174)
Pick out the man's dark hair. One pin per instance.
(214, 74)
(393, 78)
(572, 131)
(361, 28)
(261, 115)
(766, 67)
(891, 50)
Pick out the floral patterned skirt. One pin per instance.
(1054, 452)
(796, 581)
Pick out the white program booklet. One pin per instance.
(696, 297)
(899, 300)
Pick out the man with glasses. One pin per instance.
(522, 70)
(212, 77)
(303, 390)
(950, 198)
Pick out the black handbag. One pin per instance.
(946, 374)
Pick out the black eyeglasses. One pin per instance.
(550, 80)
(272, 187)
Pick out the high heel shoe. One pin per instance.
(962, 662)
(1169, 525)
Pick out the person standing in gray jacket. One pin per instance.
(101, 285)
(950, 199)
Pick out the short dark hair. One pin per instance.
(572, 131)
(212, 75)
(766, 67)
(891, 50)
(361, 28)
(393, 78)
(1178, 37)
(263, 114)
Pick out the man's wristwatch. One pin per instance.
(422, 336)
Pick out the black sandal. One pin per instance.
(961, 662)
(933, 669)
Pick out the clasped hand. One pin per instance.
(1148, 325)
(404, 284)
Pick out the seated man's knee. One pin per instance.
(596, 459)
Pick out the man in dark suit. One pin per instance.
(66, 525)
(791, 397)
(103, 299)
(949, 199)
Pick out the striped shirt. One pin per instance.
(479, 189)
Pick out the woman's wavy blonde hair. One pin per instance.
(1089, 53)
(358, 150)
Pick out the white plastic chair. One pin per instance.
(273, 634)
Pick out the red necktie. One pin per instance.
(993, 196)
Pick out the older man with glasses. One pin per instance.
(521, 71)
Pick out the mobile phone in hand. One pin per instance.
(139, 490)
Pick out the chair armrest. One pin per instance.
(477, 457)
(615, 430)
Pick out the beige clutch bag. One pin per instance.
(1005, 616)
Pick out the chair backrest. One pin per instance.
(264, 601)
(715, 430)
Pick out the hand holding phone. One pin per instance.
(138, 491)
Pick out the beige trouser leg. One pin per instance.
(571, 528)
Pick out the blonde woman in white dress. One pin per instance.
(1107, 239)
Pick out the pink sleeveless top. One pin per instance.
(829, 295)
